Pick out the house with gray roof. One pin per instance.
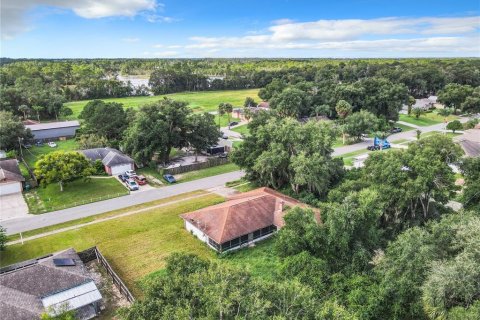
(115, 161)
(54, 284)
(53, 130)
(11, 179)
(470, 142)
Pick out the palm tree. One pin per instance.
(228, 109)
(221, 112)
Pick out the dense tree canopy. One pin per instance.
(12, 131)
(62, 167)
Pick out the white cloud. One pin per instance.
(420, 36)
(159, 18)
(158, 45)
(14, 20)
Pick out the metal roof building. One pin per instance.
(53, 130)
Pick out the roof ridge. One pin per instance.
(232, 206)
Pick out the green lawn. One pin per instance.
(134, 245)
(448, 134)
(75, 193)
(426, 119)
(261, 261)
(212, 171)
(404, 127)
(243, 129)
(109, 214)
(198, 101)
(34, 153)
(349, 157)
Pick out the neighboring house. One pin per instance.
(11, 178)
(53, 284)
(240, 112)
(244, 219)
(470, 142)
(53, 130)
(115, 161)
(424, 103)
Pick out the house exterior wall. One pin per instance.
(54, 133)
(116, 170)
(10, 187)
(196, 232)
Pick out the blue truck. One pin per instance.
(379, 144)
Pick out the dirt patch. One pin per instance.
(112, 299)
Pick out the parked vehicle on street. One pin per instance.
(379, 144)
(130, 173)
(141, 180)
(52, 144)
(233, 123)
(131, 185)
(169, 178)
(224, 135)
(39, 143)
(396, 130)
(123, 177)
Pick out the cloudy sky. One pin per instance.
(239, 28)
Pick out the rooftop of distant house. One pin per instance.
(9, 171)
(51, 125)
(108, 156)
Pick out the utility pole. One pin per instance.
(20, 145)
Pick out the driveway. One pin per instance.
(13, 206)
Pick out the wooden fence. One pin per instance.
(93, 253)
(211, 162)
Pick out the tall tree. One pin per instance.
(62, 167)
(453, 95)
(202, 132)
(158, 127)
(106, 119)
(359, 123)
(12, 131)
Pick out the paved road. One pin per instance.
(38, 221)
(397, 136)
(55, 217)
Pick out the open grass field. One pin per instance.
(41, 200)
(135, 245)
(448, 134)
(404, 127)
(34, 153)
(243, 129)
(426, 119)
(199, 101)
(204, 173)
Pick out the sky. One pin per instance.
(239, 28)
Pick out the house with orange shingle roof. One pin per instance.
(242, 220)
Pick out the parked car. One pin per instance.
(52, 144)
(130, 173)
(396, 130)
(224, 135)
(169, 178)
(141, 180)
(123, 177)
(131, 185)
(39, 143)
(233, 123)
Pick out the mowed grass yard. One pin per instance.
(135, 245)
(208, 172)
(34, 153)
(77, 192)
(426, 119)
(205, 101)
